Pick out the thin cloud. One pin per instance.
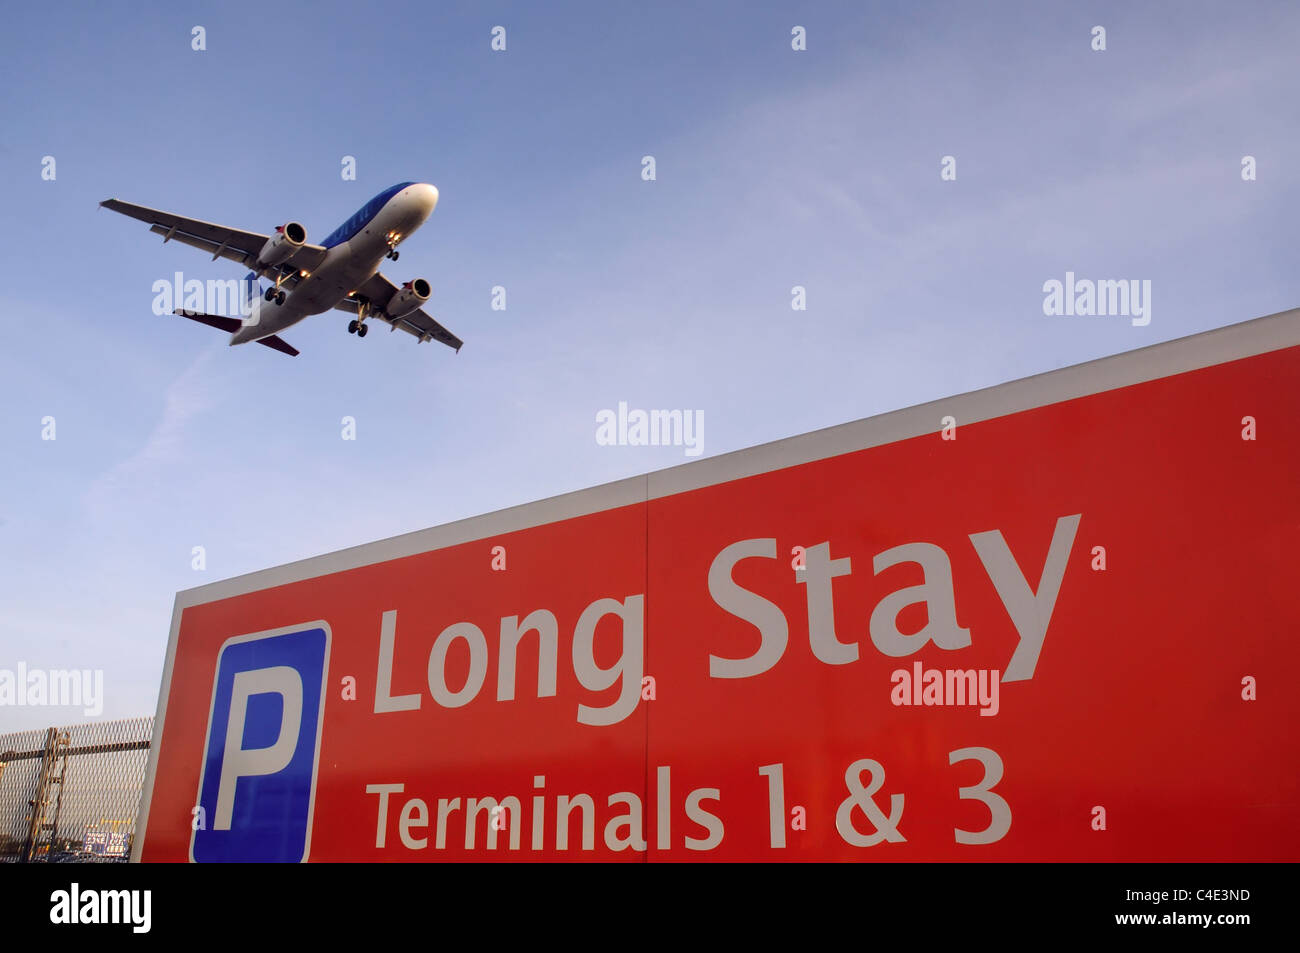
(188, 396)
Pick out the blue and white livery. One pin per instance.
(342, 273)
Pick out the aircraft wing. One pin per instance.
(220, 241)
(378, 290)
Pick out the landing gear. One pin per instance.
(357, 326)
(393, 253)
(274, 293)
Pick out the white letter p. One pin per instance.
(240, 762)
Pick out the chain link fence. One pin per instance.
(72, 794)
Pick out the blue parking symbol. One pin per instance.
(258, 780)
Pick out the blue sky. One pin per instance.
(775, 168)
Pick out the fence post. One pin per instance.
(38, 801)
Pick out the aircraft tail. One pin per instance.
(231, 325)
(252, 296)
(252, 291)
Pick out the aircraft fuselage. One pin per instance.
(355, 251)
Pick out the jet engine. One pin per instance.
(413, 295)
(280, 247)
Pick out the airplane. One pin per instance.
(341, 273)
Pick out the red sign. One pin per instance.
(1053, 620)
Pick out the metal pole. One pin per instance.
(38, 802)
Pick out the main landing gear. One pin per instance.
(275, 294)
(357, 325)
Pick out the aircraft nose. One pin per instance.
(426, 196)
